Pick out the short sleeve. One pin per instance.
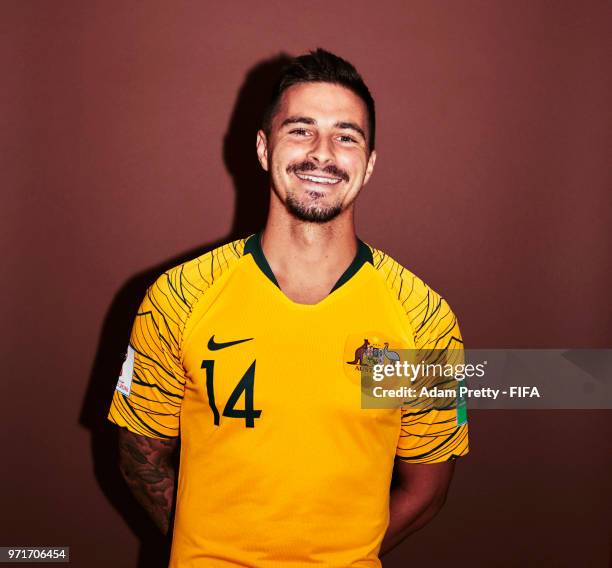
(435, 435)
(149, 393)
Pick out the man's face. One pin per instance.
(317, 151)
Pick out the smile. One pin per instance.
(318, 179)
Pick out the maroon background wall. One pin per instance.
(127, 132)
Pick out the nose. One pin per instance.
(321, 151)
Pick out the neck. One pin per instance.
(308, 257)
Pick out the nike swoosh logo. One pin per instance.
(214, 346)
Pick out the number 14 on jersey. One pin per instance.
(245, 385)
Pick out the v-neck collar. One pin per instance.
(253, 246)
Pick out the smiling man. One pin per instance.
(250, 355)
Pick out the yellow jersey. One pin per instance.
(280, 465)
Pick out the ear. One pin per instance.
(262, 149)
(369, 167)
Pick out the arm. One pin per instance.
(418, 493)
(148, 468)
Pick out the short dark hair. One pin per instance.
(321, 66)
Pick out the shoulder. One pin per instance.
(177, 289)
(427, 310)
(409, 289)
(201, 272)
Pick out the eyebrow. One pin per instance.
(308, 120)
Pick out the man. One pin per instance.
(249, 354)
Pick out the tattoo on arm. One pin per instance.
(148, 468)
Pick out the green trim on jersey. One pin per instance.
(364, 254)
(253, 246)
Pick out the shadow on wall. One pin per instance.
(251, 186)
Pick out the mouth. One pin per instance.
(319, 180)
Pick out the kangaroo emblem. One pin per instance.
(359, 353)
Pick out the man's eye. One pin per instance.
(299, 131)
(345, 138)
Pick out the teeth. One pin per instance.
(316, 179)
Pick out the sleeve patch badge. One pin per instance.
(124, 384)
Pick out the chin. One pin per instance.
(310, 213)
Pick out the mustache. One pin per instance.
(308, 166)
